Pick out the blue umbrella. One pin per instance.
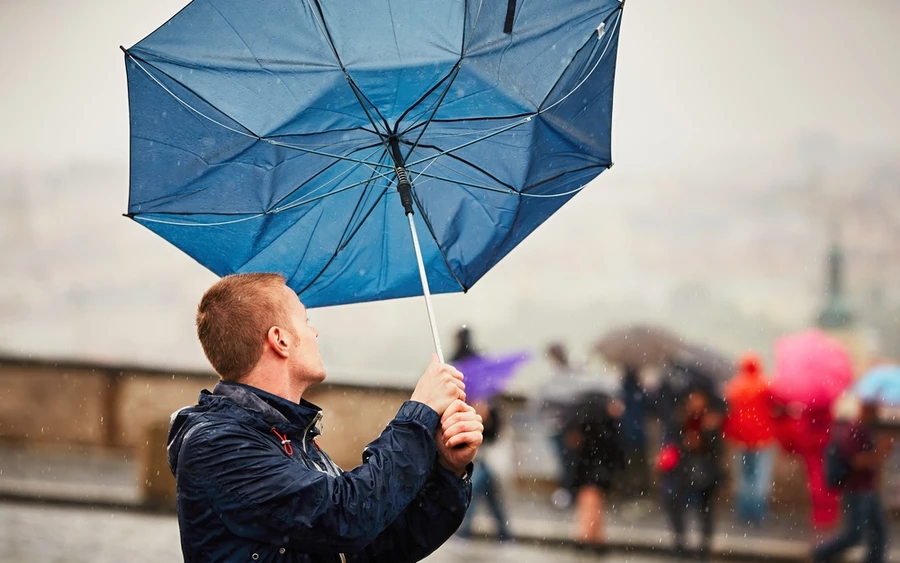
(324, 140)
(881, 383)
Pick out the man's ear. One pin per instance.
(276, 341)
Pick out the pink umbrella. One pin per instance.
(811, 368)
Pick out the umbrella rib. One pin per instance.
(560, 175)
(437, 106)
(510, 190)
(424, 96)
(529, 117)
(364, 219)
(359, 205)
(323, 27)
(333, 256)
(472, 165)
(437, 243)
(311, 178)
(139, 216)
(612, 33)
(250, 134)
(468, 184)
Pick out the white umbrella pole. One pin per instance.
(425, 290)
(405, 190)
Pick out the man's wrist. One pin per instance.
(458, 471)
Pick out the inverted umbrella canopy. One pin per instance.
(811, 369)
(881, 384)
(279, 136)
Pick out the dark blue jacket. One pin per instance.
(244, 495)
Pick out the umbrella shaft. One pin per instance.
(425, 290)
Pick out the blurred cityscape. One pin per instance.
(629, 251)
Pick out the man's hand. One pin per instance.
(459, 437)
(439, 386)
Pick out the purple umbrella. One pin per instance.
(489, 376)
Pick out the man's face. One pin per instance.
(306, 361)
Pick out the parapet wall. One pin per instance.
(92, 405)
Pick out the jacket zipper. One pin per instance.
(314, 422)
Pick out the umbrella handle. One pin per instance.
(425, 290)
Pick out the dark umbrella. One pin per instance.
(638, 346)
(320, 139)
(707, 362)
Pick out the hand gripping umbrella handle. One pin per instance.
(405, 190)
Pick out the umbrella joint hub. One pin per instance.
(404, 187)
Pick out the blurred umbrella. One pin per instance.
(881, 384)
(706, 361)
(638, 346)
(811, 369)
(683, 377)
(489, 376)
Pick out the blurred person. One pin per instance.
(863, 516)
(592, 435)
(253, 484)
(633, 433)
(748, 426)
(692, 460)
(804, 431)
(484, 484)
(554, 415)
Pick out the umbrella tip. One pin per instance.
(124, 50)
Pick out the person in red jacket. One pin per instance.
(749, 426)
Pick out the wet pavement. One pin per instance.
(49, 534)
(93, 512)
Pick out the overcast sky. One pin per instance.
(695, 77)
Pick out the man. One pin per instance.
(566, 378)
(863, 515)
(253, 484)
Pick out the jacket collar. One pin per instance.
(274, 410)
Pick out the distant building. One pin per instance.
(838, 319)
(836, 313)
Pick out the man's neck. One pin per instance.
(276, 384)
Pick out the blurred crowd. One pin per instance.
(679, 421)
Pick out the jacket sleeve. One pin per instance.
(262, 494)
(432, 517)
